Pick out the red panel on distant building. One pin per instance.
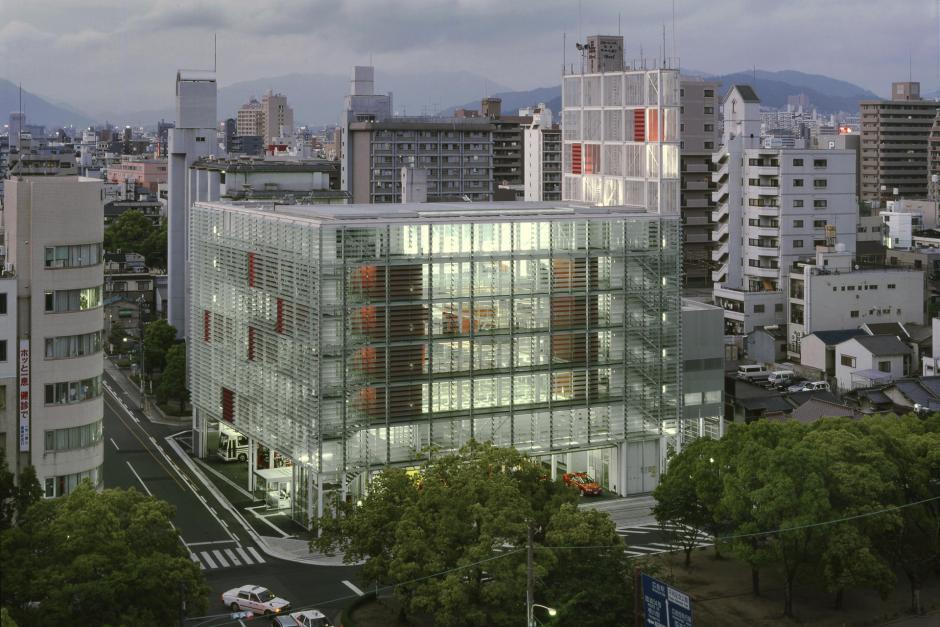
(652, 130)
(228, 405)
(592, 159)
(576, 158)
(639, 125)
(206, 316)
(279, 321)
(251, 343)
(251, 269)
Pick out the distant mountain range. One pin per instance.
(317, 99)
(828, 95)
(38, 109)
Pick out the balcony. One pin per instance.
(696, 203)
(764, 190)
(720, 194)
(697, 185)
(721, 214)
(721, 232)
(762, 231)
(696, 238)
(719, 254)
(763, 272)
(699, 220)
(697, 167)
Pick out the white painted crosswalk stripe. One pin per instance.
(232, 557)
(243, 555)
(208, 559)
(255, 554)
(221, 558)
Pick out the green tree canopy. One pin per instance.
(454, 535)
(132, 231)
(97, 558)
(159, 336)
(16, 496)
(173, 380)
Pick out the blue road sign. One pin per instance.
(664, 606)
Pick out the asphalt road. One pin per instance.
(137, 455)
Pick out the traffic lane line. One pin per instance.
(353, 587)
(146, 489)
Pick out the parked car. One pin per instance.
(809, 386)
(256, 599)
(585, 484)
(307, 618)
(753, 372)
(780, 378)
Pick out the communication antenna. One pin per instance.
(564, 50)
(215, 55)
(664, 47)
(675, 46)
(618, 25)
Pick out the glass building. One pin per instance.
(350, 337)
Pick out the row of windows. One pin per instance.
(695, 398)
(61, 301)
(68, 346)
(817, 224)
(851, 288)
(849, 361)
(73, 391)
(817, 183)
(63, 485)
(778, 308)
(73, 437)
(76, 256)
(817, 204)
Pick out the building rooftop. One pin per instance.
(886, 328)
(249, 164)
(774, 331)
(436, 211)
(883, 345)
(426, 123)
(816, 408)
(747, 93)
(831, 338)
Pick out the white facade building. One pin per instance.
(903, 218)
(55, 227)
(868, 360)
(774, 207)
(620, 134)
(193, 137)
(542, 149)
(9, 366)
(930, 365)
(829, 294)
(362, 105)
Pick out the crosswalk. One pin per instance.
(211, 559)
(637, 538)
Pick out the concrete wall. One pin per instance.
(832, 299)
(864, 360)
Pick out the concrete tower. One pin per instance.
(193, 137)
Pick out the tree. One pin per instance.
(688, 495)
(16, 496)
(173, 380)
(155, 247)
(453, 537)
(128, 232)
(96, 558)
(159, 336)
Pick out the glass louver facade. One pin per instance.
(353, 337)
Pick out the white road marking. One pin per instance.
(255, 555)
(208, 558)
(233, 557)
(139, 479)
(633, 553)
(220, 557)
(198, 561)
(665, 546)
(243, 555)
(114, 444)
(210, 542)
(352, 587)
(644, 548)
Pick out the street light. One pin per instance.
(551, 612)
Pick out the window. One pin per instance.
(854, 313)
(693, 398)
(709, 145)
(713, 396)
(797, 224)
(709, 93)
(847, 360)
(251, 343)
(797, 202)
(797, 163)
(797, 243)
(819, 224)
(819, 163)
(206, 315)
(3, 303)
(63, 301)
(797, 182)
(820, 183)
(69, 346)
(758, 309)
(73, 437)
(891, 286)
(63, 485)
(709, 110)
(3, 350)
(884, 366)
(778, 308)
(820, 204)
(69, 392)
(709, 128)
(76, 256)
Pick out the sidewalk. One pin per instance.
(132, 392)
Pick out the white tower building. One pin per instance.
(193, 137)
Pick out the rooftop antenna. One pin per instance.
(675, 46)
(618, 24)
(579, 35)
(564, 51)
(215, 54)
(664, 47)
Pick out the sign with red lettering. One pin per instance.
(24, 396)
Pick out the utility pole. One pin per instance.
(140, 319)
(182, 603)
(529, 582)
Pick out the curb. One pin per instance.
(217, 494)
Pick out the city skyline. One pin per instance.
(102, 39)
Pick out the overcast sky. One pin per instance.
(123, 54)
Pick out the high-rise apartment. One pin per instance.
(894, 144)
(774, 206)
(277, 116)
(193, 137)
(54, 231)
(699, 131)
(933, 160)
(362, 104)
(249, 120)
(542, 152)
(620, 130)
(508, 145)
(351, 337)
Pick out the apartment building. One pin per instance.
(933, 160)
(362, 104)
(828, 293)
(287, 181)
(456, 153)
(347, 338)
(145, 174)
(277, 117)
(249, 120)
(542, 151)
(774, 207)
(508, 144)
(699, 132)
(894, 143)
(54, 231)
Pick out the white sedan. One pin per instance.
(311, 618)
(255, 599)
